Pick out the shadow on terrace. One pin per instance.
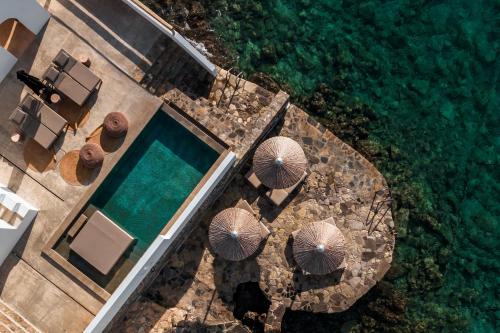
(155, 60)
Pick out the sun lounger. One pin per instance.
(33, 128)
(243, 204)
(75, 228)
(77, 70)
(252, 179)
(80, 221)
(278, 196)
(101, 242)
(44, 114)
(67, 86)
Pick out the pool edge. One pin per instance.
(156, 250)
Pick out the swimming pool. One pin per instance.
(153, 179)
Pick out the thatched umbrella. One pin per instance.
(319, 248)
(115, 124)
(91, 155)
(235, 234)
(279, 162)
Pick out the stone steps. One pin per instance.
(12, 322)
(174, 68)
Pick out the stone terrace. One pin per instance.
(107, 31)
(196, 288)
(242, 124)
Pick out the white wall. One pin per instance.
(176, 37)
(7, 61)
(9, 234)
(30, 14)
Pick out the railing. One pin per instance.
(236, 89)
(168, 30)
(381, 204)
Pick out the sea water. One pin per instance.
(428, 71)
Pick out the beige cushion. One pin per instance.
(61, 58)
(82, 74)
(277, 196)
(51, 119)
(72, 89)
(17, 116)
(101, 242)
(251, 177)
(51, 74)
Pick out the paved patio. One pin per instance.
(117, 40)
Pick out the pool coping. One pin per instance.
(193, 127)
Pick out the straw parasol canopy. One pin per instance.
(115, 124)
(235, 234)
(279, 162)
(91, 155)
(319, 248)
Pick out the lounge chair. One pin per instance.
(328, 220)
(101, 243)
(252, 179)
(82, 74)
(33, 128)
(278, 196)
(67, 86)
(44, 114)
(243, 204)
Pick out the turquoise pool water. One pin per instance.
(153, 178)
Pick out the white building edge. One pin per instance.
(21, 215)
(30, 14)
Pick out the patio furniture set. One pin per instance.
(279, 163)
(235, 234)
(66, 76)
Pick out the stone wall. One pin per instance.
(242, 145)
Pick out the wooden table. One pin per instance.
(84, 59)
(55, 98)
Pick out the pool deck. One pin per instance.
(108, 32)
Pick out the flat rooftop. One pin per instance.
(117, 41)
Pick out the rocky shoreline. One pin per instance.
(386, 307)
